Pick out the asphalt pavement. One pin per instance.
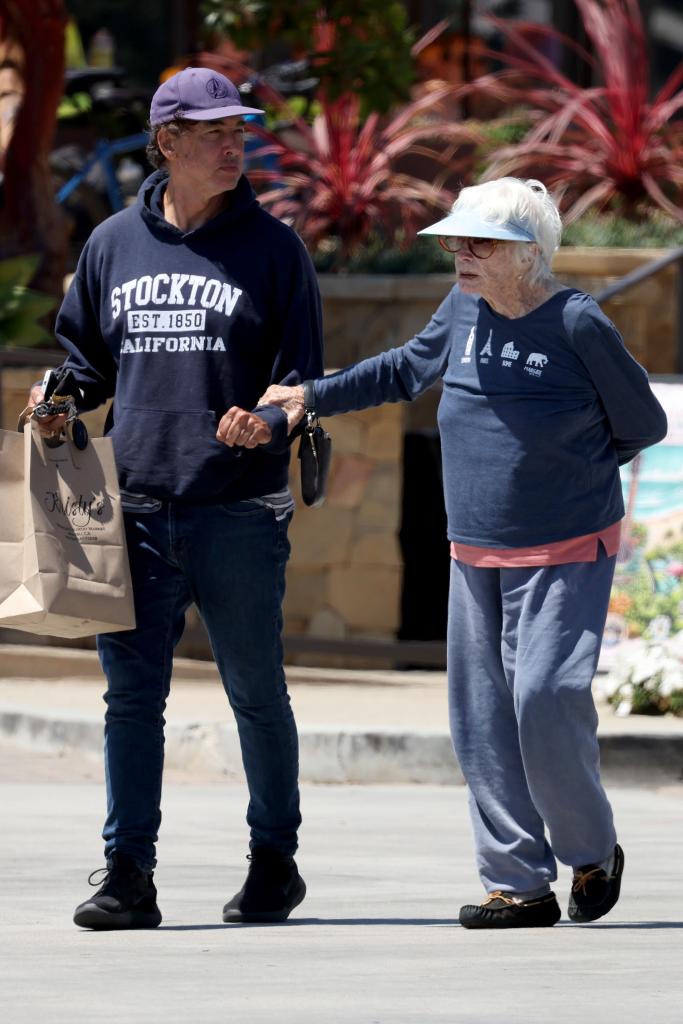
(375, 941)
(387, 863)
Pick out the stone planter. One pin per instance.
(646, 315)
(366, 314)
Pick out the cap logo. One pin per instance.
(217, 89)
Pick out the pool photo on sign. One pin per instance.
(645, 619)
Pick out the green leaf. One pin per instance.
(18, 270)
(368, 51)
(20, 307)
(75, 105)
(22, 330)
(35, 304)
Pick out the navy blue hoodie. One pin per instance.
(179, 326)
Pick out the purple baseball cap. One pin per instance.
(198, 94)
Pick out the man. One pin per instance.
(182, 307)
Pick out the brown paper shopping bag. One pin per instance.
(63, 559)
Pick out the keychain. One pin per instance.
(55, 404)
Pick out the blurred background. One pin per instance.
(424, 96)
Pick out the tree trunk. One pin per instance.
(30, 220)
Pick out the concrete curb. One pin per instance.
(340, 754)
(641, 759)
(326, 755)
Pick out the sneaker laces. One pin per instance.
(104, 876)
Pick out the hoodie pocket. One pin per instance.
(175, 452)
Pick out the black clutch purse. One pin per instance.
(315, 455)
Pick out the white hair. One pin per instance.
(526, 204)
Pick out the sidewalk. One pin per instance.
(376, 940)
(354, 726)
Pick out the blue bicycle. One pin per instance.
(103, 159)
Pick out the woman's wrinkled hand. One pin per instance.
(242, 428)
(290, 400)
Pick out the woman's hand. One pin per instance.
(242, 428)
(290, 400)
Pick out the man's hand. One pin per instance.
(290, 400)
(242, 428)
(48, 426)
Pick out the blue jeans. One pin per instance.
(230, 560)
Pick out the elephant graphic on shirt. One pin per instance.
(537, 359)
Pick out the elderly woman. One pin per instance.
(541, 404)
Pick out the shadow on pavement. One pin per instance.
(633, 924)
(410, 921)
(430, 921)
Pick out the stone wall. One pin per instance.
(344, 579)
(365, 314)
(646, 315)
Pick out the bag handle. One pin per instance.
(315, 450)
(309, 406)
(24, 416)
(76, 431)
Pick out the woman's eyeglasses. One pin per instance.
(481, 248)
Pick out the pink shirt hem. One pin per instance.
(577, 549)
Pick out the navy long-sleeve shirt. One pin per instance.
(536, 414)
(180, 326)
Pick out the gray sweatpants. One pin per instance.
(523, 647)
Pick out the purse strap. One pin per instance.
(309, 405)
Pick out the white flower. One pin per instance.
(647, 666)
(659, 627)
(653, 667)
(609, 686)
(628, 655)
(672, 678)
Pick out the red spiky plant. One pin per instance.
(607, 146)
(339, 177)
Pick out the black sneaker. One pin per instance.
(126, 899)
(594, 892)
(271, 891)
(500, 910)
